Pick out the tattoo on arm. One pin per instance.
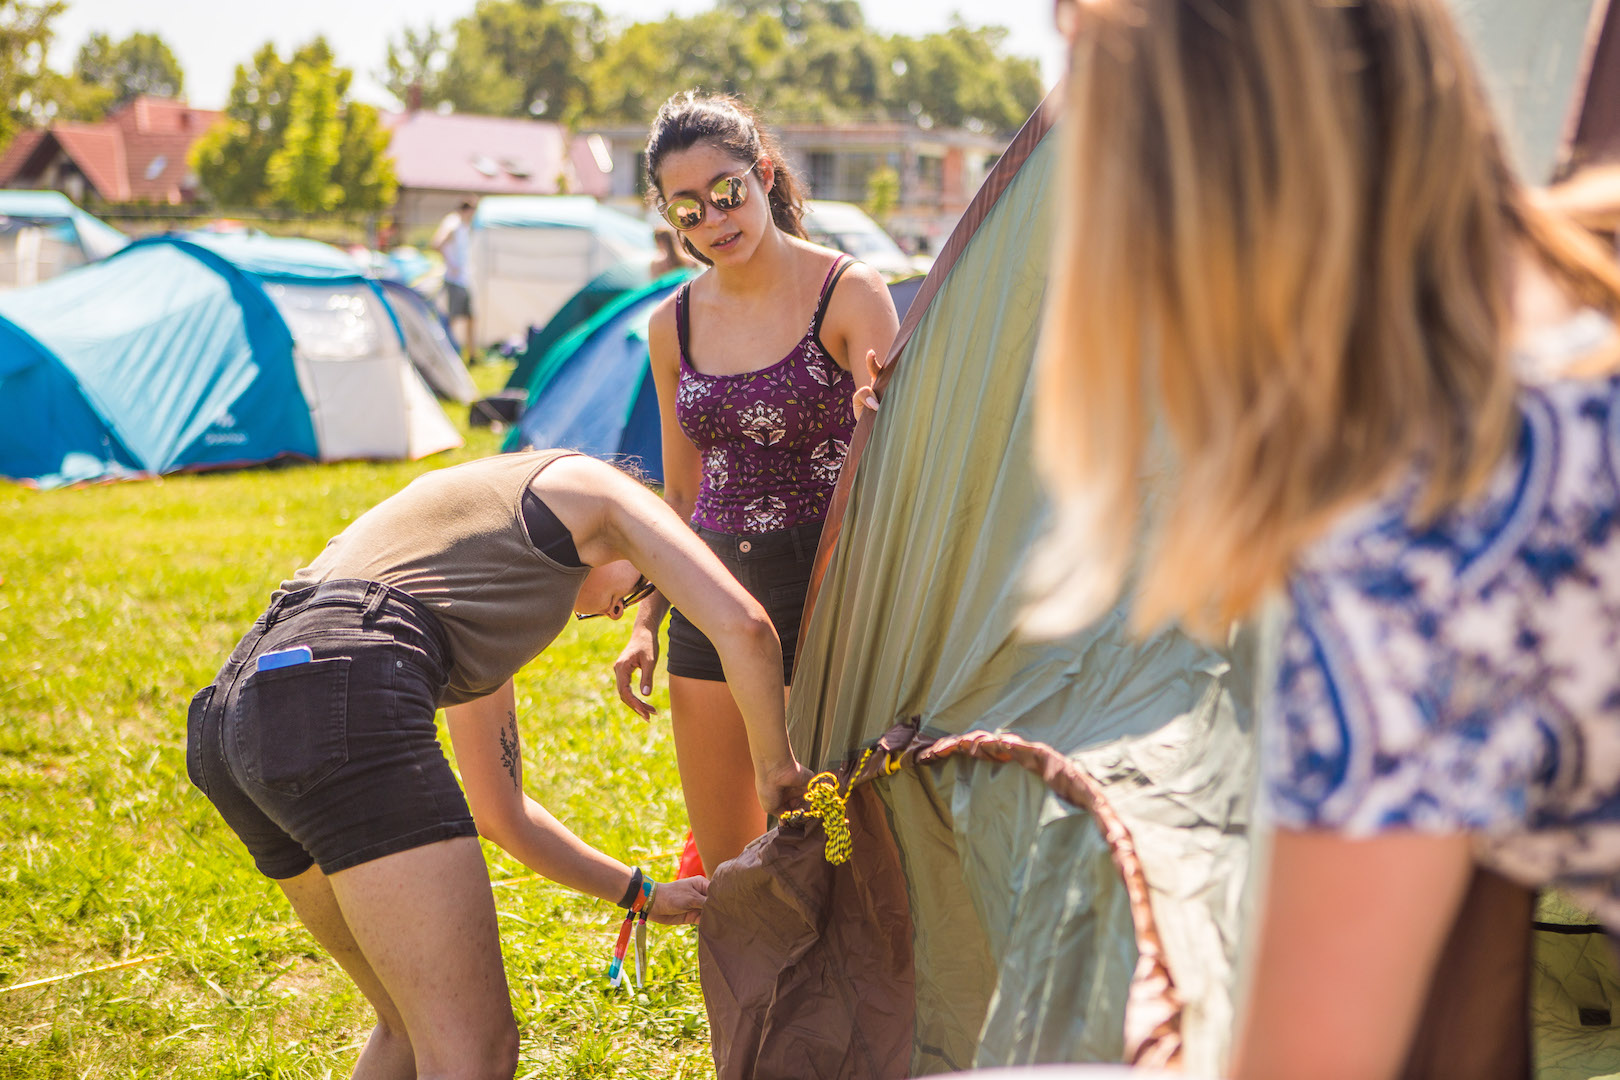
(509, 748)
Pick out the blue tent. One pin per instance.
(593, 391)
(162, 357)
(284, 260)
(592, 297)
(170, 356)
(42, 234)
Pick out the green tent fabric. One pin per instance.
(1022, 937)
(1574, 994)
(593, 296)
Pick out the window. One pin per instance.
(823, 174)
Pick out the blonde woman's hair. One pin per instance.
(1282, 274)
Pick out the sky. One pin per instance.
(210, 38)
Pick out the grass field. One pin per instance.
(116, 603)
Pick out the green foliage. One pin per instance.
(301, 170)
(508, 58)
(109, 855)
(140, 64)
(960, 79)
(25, 38)
(797, 60)
(106, 74)
(882, 193)
(291, 138)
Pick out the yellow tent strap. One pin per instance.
(827, 805)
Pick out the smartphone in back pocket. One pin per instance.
(298, 654)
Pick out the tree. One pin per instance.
(798, 61)
(882, 194)
(508, 58)
(815, 61)
(302, 170)
(290, 137)
(414, 67)
(25, 37)
(961, 79)
(139, 64)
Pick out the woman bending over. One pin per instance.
(317, 741)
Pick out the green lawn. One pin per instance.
(116, 603)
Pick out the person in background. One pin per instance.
(453, 240)
(318, 746)
(670, 255)
(751, 361)
(1285, 295)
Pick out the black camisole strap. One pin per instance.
(683, 321)
(844, 263)
(547, 532)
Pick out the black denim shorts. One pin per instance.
(775, 569)
(336, 761)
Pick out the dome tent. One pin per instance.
(593, 390)
(43, 234)
(279, 261)
(169, 356)
(530, 253)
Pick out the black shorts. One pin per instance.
(775, 569)
(457, 300)
(337, 761)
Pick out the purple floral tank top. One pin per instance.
(773, 441)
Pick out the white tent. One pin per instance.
(42, 234)
(530, 253)
(366, 397)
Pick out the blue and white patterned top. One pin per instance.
(1466, 676)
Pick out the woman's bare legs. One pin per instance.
(423, 923)
(387, 1054)
(717, 773)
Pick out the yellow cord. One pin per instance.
(827, 805)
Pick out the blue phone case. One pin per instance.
(299, 654)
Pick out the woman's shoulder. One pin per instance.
(1557, 490)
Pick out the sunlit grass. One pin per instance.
(116, 603)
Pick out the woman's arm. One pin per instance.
(489, 754)
(1349, 934)
(860, 320)
(613, 517)
(682, 473)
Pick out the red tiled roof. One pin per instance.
(157, 166)
(98, 151)
(18, 152)
(161, 116)
(119, 157)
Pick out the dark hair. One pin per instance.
(466, 204)
(689, 118)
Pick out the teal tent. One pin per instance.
(171, 356)
(592, 297)
(42, 234)
(593, 390)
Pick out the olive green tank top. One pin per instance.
(454, 539)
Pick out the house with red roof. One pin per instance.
(137, 154)
(444, 159)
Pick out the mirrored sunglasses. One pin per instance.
(726, 194)
(642, 589)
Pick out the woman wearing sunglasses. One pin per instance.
(317, 743)
(752, 365)
(1291, 286)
